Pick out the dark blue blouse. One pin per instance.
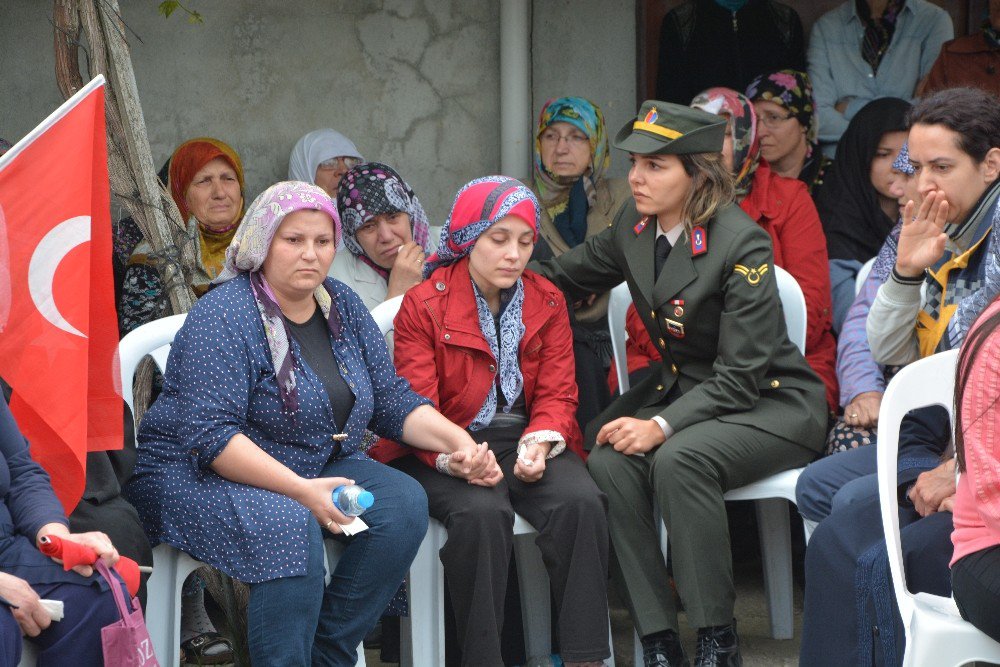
(28, 504)
(220, 381)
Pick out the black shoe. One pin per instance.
(663, 650)
(718, 646)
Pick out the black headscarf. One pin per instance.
(848, 205)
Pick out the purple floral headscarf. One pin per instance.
(371, 189)
(246, 254)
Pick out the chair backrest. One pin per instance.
(929, 381)
(385, 313)
(153, 339)
(793, 303)
(618, 305)
(862, 276)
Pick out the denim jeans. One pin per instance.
(299, 621)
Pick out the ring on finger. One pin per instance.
(854, 415)
(328, 524)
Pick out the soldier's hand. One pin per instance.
(629, 435)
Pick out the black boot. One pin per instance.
(663, 649)
(718, 646)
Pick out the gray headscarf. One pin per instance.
(316, 147)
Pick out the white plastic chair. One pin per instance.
(769, 494)
(862, 276)
(423, 630)
(936, 634)
(170, 566)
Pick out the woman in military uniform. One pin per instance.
(733, 401)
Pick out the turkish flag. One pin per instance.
(58, 324)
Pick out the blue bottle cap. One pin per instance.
(366, 499)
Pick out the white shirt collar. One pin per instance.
(672, 236)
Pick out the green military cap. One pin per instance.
(662, 128)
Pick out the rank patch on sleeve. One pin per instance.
(752, 274)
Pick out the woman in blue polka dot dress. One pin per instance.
(270, 384)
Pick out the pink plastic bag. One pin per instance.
(126, 643)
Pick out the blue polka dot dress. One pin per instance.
(220, 381)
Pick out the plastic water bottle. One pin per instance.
(352, 500)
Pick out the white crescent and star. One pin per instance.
(49, 253)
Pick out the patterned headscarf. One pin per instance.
(742, 123)
(902, 161)
(247, 253)
(372, 189)
(190, 157)
(478, 205)
(586, 117)
(316, 147)
(792, 90)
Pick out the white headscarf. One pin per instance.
(316, 147)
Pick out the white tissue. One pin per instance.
(54, 609)
(354, 527)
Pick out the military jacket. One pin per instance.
(716, 318)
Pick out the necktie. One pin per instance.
(662, 251)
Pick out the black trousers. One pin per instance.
(570, 514)
(975, 581)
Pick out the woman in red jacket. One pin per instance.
(490, 344)
(783, 207)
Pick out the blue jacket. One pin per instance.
(837, 69)
(28, 504)
(220, 381)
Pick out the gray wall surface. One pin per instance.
(414, 83)
(586, 48)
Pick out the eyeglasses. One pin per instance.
(343, 162)
(773, 120)
(573, 139)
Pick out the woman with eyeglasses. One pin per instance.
(578, 201)
(322, 157)
(787, 126)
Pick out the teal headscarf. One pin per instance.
(567, 200)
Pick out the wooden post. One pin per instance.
(130, 161)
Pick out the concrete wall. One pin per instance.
(587, 48)
(414, 83)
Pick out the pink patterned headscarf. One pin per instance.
(246, 254)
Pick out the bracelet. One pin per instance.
(441, 463)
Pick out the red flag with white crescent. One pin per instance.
(58, 324)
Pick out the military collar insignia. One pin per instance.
(699, 241)
(752, 274)
(641, 225)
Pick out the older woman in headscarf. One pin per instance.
(272, 381)
(489, 342)
(571, 158)
(788, 126)
(206, 183)
(386, 234)
(781, 206)
(323, 157)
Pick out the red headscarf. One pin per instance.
(189, 158)
(478, 205)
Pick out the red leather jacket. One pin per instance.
(441, 350)
(781, 206)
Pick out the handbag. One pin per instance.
(125, 642)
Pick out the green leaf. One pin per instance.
(168, 7)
